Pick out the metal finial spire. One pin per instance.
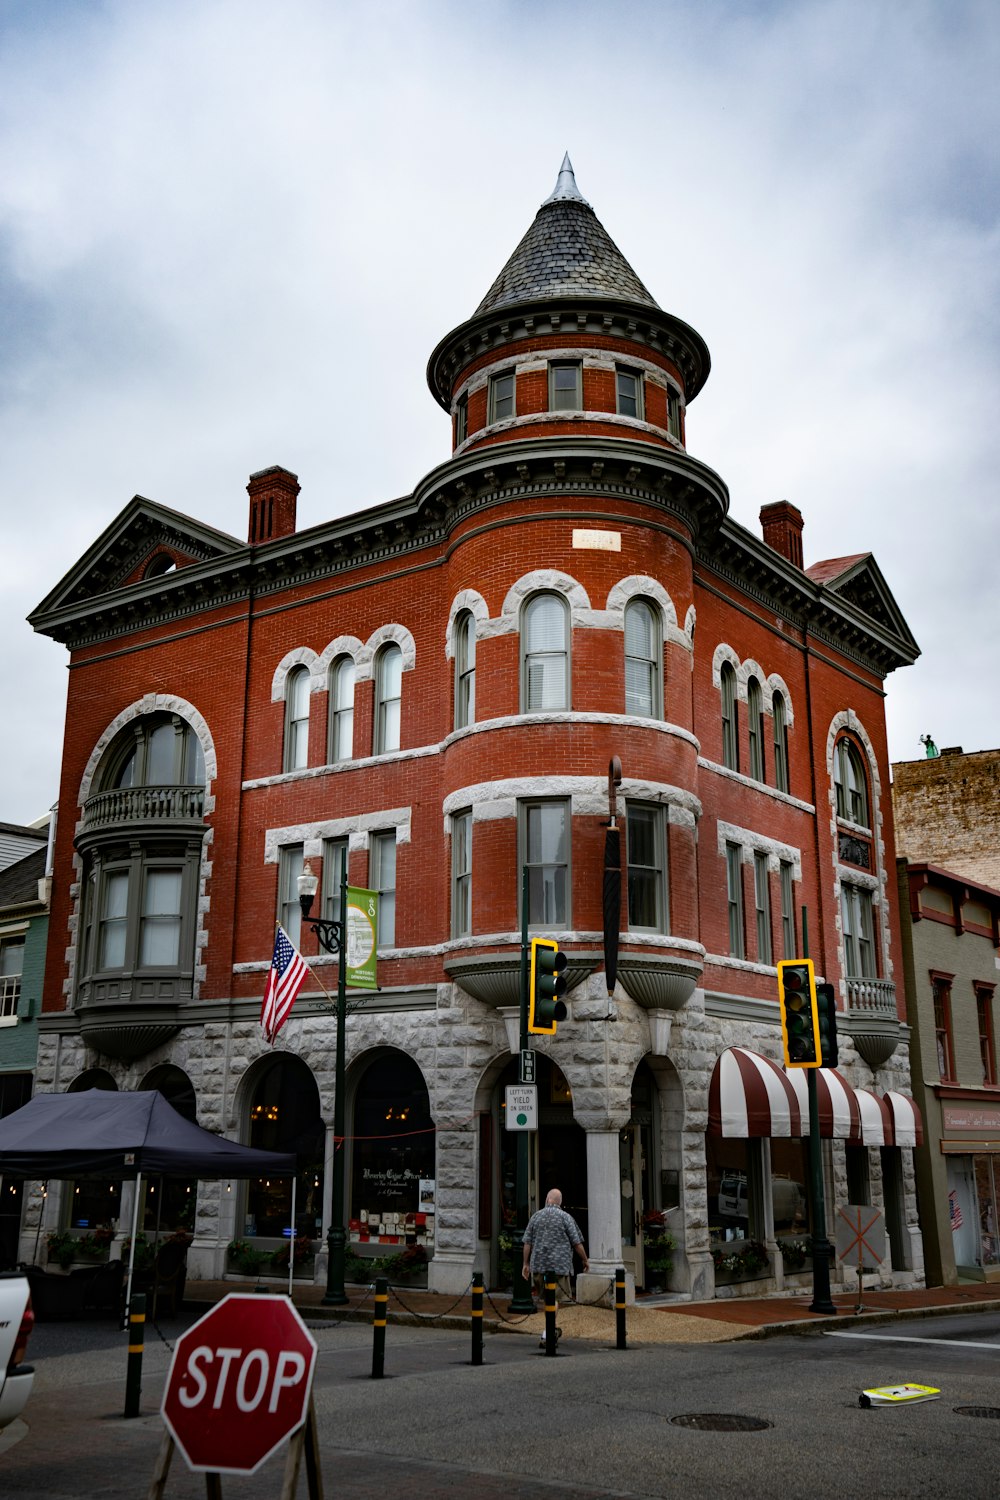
(566, 190)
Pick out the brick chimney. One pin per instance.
(273, 493)
(782, 525)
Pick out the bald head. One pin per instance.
(553, 1198)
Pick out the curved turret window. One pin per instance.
(545, 654)
(642, 660)
(465, 670)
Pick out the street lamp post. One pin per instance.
(332, 937)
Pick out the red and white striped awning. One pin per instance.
(751, 1096)
(907, 1126)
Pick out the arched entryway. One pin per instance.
(391, 1163)
(170, 1202)
(93, 1201)
(282, 1113)
(557, 1158)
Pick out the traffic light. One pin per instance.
(826, 1015)
(545, 986)
(799, 1021)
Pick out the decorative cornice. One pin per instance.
(601, 316)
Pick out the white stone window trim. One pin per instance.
(151, 703)
(847, 721)
(343, 645)
(533, 362)
(769, 684)
(751, 842)
(476, 605)
(300, 656)
(640, 586)
(362, 653)
(392, 634)
(763, 787)
(535, 418)
(493, 801)
(745, 965)
(356, 829)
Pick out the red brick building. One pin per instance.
(438, 684)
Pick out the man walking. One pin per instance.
(549, 1241)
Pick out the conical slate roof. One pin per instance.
(566, 252)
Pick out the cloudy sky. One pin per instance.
(231, 233)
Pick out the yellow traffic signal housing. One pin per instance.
(800, 1033)
(545, 985)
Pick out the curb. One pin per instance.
(821, 1322)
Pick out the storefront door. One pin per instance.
(633, 1168)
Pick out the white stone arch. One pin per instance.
(724, 652)
(300, 656)
(154, 703)
(690, 620)
(385, 635)
(640, 586)
(777, 684)
(341, 645)
(546, 581)
(744, 672)
(847, 720)
(469, 600)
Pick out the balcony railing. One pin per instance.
(144, 804)
(873, 997)
(10, 993)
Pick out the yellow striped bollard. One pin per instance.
(620, 1306)
(133, 1373)
(550, 1312)
(378, 1326)
(477, 1317)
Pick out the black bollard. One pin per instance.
(620, 1307)
(550, 1313)
(477, 1317)
(378, 1325)
(133, 1374)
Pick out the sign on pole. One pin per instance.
(521, 1106)
(527, 1069)
(239, 1383)
(861, 1235)
(362, 938)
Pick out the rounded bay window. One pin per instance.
(140, 842)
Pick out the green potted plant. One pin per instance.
(795, 1253)
(657, 1251)
(303, 1252)
(509, 1245)
(62, 1248)
(246, 1258)
(145, 1253)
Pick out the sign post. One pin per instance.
(239, 1386)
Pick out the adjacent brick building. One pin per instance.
(439, 684)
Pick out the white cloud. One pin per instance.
(224, 226)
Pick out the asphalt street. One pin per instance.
(593, 1422)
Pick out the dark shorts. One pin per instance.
(563, 1288)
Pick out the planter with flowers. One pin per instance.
(657, 1250)
(303, 1256)
(796, 1254)
(740, 1260)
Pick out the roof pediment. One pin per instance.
(858, 581)
(118, 559)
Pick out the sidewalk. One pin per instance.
(656, 1319)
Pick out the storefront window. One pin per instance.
(170, 1202)
(986, 1195)
(790, 1200)
(93, 1202)
(730, 1201)
(392, 1157)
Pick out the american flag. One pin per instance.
(288, 970)
(954, 1212)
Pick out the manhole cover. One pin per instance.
(719, 1421)
(978, 1411)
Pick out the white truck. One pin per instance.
(16, 1323)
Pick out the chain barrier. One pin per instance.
(503, 1317)
(339, 1323)
(430, 1317)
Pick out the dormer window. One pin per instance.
(566, 386)
(501, 396)
(628, 393)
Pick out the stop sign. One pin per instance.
(239, 1383)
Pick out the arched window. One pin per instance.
(341, 696)
(780, 742)
(93, 1201)
(170, 1202)
(755, 722)
(393, 1146)
(465, 669)
(297, 719)
(851, 783)
(159, 750)
(545, 654)
(730, 731)
(643, 650)
(388, 698)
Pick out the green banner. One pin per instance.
(362, 937)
